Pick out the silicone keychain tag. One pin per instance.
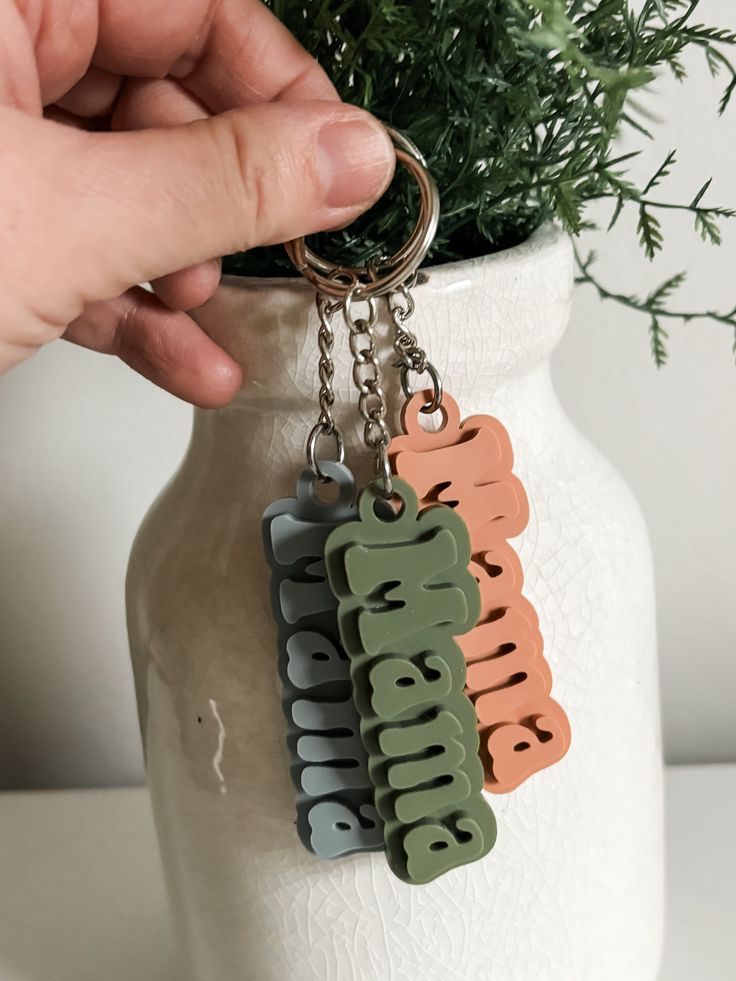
(467, 465)
(334, 801)
(404, 592)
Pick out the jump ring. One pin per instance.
(321, 429)
(383, 467)
(436, 400)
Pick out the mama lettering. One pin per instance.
(468, 466)
(404, 593)
(334, 802)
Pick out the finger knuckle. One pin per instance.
(262, 184)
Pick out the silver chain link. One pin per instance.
(325, 425)
(369, 382)
(411, 356)
(367, 374)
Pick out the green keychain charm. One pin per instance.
(404, 591)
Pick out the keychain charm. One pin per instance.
(468, 466)
(404, 592)
(334, 802)
(411, 664)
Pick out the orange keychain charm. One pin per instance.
(468, 465)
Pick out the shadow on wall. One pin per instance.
(85, 445)
(88, 900)
(62, 655)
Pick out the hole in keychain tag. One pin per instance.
(404, 592)
(334, 801)
(468, 466)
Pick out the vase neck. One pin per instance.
(480, 321)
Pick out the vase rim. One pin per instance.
(547, 237)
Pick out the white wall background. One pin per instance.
(672, 432)
(85, 445)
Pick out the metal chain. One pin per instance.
(326, 425)
(368, 380)
(367, 374)
(411, 356)
(392, 276)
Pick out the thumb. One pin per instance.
(90, 214)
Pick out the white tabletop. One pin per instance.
(81, 896)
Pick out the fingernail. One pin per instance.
(356, 159)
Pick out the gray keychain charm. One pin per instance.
(334, 800)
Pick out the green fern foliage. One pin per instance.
(516, 104)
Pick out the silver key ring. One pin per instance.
(383, 276)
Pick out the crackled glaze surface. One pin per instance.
(573, 888)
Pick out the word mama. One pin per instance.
(468, 467)
(404, 593)
(329, 766)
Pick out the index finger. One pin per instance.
(229, 53)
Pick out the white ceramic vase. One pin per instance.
(573, 889)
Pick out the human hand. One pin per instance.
(221, 133)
